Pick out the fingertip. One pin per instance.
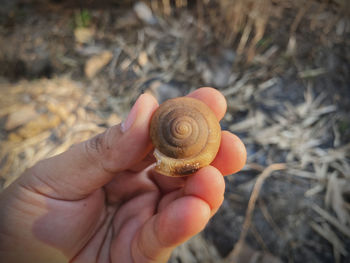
(213, 98)
(176, 223)
(182, 219)
(232, 154)
(207, 184)
(149, 97)
(129, 143)
(143, 110)
(147, 104)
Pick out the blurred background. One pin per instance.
(69, 69)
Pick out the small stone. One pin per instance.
(144, 13)
(142, 59)
(20, 117)
(113, 120)
(95, 64)
(163, 91)
(83, 35)
(38, 125)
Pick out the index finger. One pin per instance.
(213, 98)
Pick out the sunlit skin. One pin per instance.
(100, 201)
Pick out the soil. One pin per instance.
(37, 40)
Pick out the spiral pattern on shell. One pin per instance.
(186, 135)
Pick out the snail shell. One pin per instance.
(186, 135)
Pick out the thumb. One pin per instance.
(91, 164)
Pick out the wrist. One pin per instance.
(19, 210)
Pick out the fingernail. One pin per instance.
(131, 117)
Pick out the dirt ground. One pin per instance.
(68, 71)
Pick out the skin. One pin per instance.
(101, 201)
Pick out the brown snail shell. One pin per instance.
(186, 135)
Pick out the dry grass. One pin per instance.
(180, 50)
(237, 251)
(243, 23)
(53, 117)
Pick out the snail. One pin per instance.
(186, 135)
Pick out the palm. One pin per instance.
(120, 211)
(95, 203)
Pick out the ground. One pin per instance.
(67, 72)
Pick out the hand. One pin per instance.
(100, 201)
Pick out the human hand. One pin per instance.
(100, 201)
